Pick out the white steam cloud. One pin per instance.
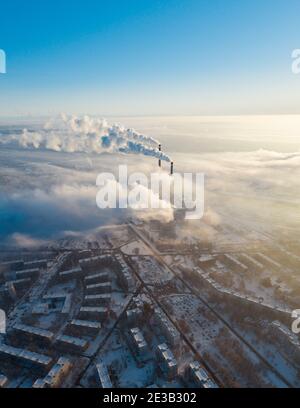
(88, 135)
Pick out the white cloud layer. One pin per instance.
(45, 193)
(86, 134)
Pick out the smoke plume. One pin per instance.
(88, 135)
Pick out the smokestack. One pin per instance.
(171, 170)
(159, 161)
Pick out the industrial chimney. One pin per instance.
(171, 169)
(159, 161)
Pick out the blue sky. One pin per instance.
(149, 57)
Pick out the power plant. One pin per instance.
(159, 160)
